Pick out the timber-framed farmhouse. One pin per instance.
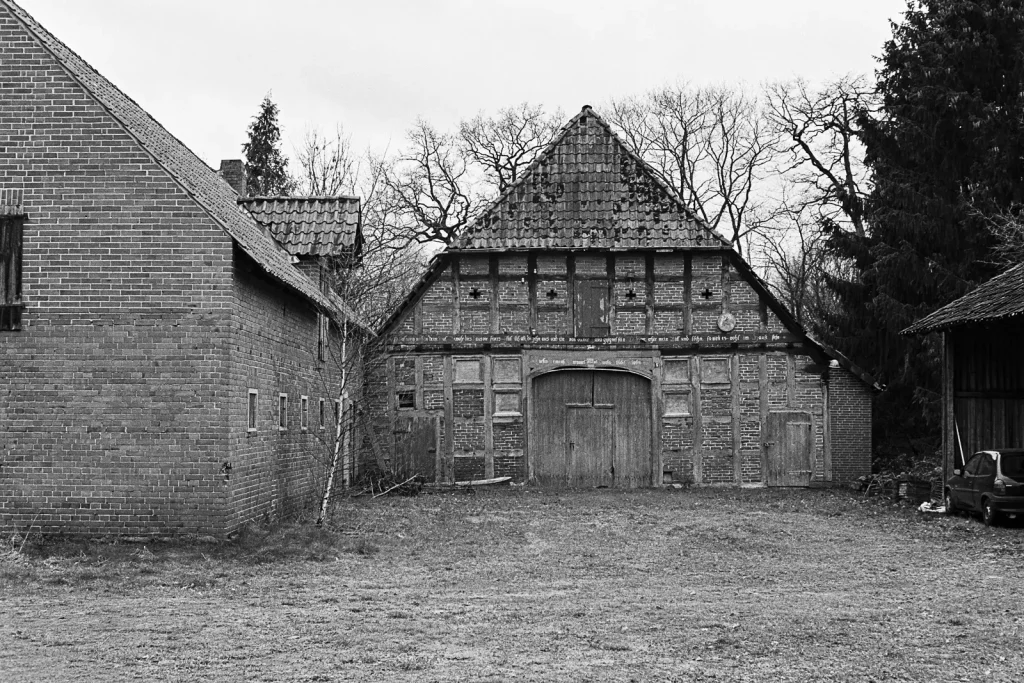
(586, 330)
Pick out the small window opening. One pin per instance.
(407, 399)
(474, 293)
(322, 415)
(552, 294)
(304, 413)
(282, 412)
(251, 410)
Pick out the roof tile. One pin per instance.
(309, 226)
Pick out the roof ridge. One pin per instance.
(473, 226)
(300, 198)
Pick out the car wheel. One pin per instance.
(951, 508)
(988, 513)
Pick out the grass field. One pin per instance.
(716, 585)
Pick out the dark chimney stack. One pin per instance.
(233, 172)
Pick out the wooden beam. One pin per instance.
(698, 424)
(493, 317)
(456, 308)
(531, 280)
(488, 421)
(688, 293)
(737, 417)
(762, 380)
(448, 473)
(649, 290)
(949, 447)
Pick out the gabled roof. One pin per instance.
(587, 190)
(1000, 298)
(197, 179)
(310, 226)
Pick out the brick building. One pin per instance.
(164, 358)
(587, 331)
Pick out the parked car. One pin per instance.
(991, 483)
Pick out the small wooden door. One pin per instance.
(416, 447)
(788, 449)
(590, 444)
(592, 308)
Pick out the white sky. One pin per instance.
(201, 67)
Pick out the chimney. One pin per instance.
(233, 173)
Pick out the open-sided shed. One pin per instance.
(982, 367)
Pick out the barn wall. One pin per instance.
(849, 408)
(988, 386)
(271, 471)
(109, 421)
(713, 396)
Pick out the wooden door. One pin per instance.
(590, 443)
(416, 447)
(591, 428)
(592, 308)
(788, 449)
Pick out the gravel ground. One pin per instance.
(533, 585)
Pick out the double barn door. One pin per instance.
(591, 428)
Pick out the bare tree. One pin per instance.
(505, 144)
(711, 145)
(825, 159)
(327, 166)
(429, 185)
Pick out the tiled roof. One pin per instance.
(587, 190)
(200, 181)
(1000, 298)
(309, 226)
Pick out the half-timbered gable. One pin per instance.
(587, 330)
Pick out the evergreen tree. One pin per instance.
(266, 169)
(944, 155)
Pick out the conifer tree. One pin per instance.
(266, 168)
(945, 153)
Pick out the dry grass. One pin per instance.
(725, 585)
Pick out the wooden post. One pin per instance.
(688, 293)
(494, 320)
(649, 286)
(531, 279)
(456, 306)
(949, 445)
(762, 380)
(449, 426)
(488, 418)
(698, 425)
(737, 417)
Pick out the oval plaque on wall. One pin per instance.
(727, 322)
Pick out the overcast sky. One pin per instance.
(201, 67)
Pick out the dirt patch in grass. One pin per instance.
(725, 585)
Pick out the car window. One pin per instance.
(987, 467)
(1012, 465)
(973, 464)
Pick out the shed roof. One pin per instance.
(1000, 298)
(587, 190)
(310, 226)
(197, 179)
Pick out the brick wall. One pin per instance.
(849, 413)
(123, 399)
(274, 350)
(110, 415)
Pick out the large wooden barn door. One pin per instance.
(591, 428)
(416, 446)
(788, 449)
